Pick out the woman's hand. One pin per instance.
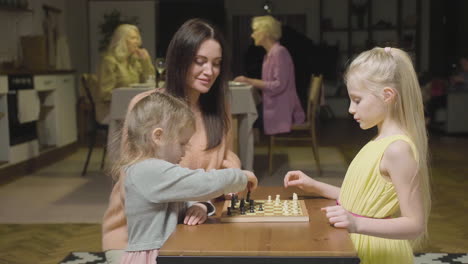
(340, 218)
(252, 180)
(142, 53)
(196, 214)
(298, 179)
(241, 79)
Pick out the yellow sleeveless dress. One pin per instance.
(365, 192)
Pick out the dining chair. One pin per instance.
(88, 81)
(309, 127)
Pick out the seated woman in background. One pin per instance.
(123, 63)
(281, 105)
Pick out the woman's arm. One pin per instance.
(257, 83)
(107, 78)
(282, 69)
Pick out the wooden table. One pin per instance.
(292, 243)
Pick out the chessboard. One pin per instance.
(265, 211)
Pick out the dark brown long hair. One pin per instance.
(180, 56)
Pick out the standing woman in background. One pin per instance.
(281, 105)
(197, 65)
(123, 63)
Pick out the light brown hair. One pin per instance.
(154, 110)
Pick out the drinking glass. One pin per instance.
(160, 64)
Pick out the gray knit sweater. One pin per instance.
(157, 193)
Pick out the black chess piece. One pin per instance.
(260, 208)
(229, 211)
(233, 202)
(252, 209)
(242, 210)
(242, 203)
(251, 202)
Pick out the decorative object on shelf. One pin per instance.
(359, 8)
(268, 6)
(382, 24)
(111, 21)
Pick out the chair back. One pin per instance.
(86, 80)
(314, 96)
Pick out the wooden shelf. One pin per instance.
(15, 9)
(335, 30)
(372, 32)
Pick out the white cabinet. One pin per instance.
(56, 126)
(65, 108)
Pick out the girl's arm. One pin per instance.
(399, 164)
(304, 182)
(160, 181)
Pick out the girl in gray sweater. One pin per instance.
(158, 191)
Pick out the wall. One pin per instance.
(311, 8)
(144, 10)
(78, 34)
(16, 24)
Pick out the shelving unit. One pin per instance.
(15, 9)
(358, 25)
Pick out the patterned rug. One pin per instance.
(423, 258)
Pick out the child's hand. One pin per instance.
(196, 214)
(339, 217)
(298, 179)
(252, 180)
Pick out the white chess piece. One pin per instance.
(294, 196)
(269, 198)
(277, 201)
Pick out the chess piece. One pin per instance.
(233, 202)
(277, 200)
(242, 210)
(294, 196)
(242, 203)
(269, 198)
(260, 208)
(229, 211)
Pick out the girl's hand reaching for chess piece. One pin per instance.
(306, 183)
(196, 214)
(252, 180)
(299, 179)
(340, 218)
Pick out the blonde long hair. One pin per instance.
(118, 43)
(392, 67)
(153, 110)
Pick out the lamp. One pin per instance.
(268, 6)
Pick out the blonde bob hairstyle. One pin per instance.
(391, 67)
(118, 43)
(268, 25)
(152, 111)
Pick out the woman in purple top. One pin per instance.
(281, 105)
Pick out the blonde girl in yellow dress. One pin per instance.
(384, 201)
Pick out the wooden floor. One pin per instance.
(41, 243)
